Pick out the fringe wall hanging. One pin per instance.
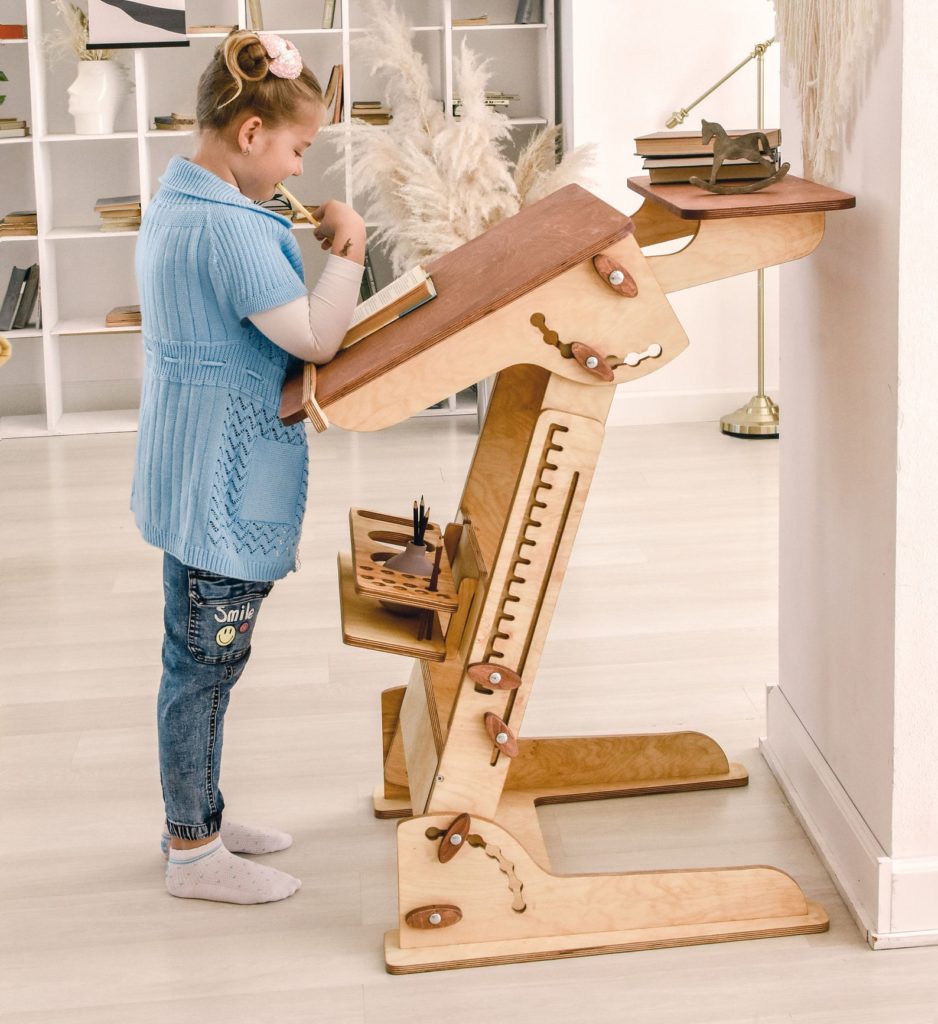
(826, 45)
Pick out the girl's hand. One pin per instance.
(341, 229)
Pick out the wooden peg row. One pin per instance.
(454, 838)
(494, 677)
(440, 915)
(501, 735)
(615, 275)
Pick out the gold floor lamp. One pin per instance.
(759, 416)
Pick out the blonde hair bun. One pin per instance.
(238, 82)
(245, 56)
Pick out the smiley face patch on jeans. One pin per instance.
(222, 615)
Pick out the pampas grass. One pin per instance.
(431, 183)
(74, 37)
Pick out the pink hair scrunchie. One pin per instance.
(285, 59)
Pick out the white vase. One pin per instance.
(95, 95)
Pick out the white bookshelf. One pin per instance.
(74, 375)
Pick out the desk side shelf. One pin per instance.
(366, 624)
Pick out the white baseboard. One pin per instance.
(630, 409)
(893, 900)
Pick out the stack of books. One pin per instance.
(479, 19)
(119, 213)
(174, 123)
(676, 157)
(497, 100)
(13, 128)
(123, 316)
(8, 31)
(21, 299)
(18, 224)
(371, 112)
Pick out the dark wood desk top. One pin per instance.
(515, 256)
(790, 195)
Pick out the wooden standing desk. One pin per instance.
(533, 300)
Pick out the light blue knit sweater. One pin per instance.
(219, 482)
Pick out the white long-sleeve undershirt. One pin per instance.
(312, 327)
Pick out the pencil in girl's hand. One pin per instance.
(296, 205)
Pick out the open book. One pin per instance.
(408, 292)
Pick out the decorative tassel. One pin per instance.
(826, 46)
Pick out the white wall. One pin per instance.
(853, 725)
(627, 66)
(838, 460)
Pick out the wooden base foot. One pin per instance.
(483, 954)
(567, 769)
(511, 909)
(391, 807)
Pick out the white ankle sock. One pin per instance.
(210, 872)
(253, 839)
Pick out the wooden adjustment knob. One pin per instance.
(494, 677)
(454, 837)
(501, 735)
(592, 361)
(441, 915)
(615, 275)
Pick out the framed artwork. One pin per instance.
(125, 24)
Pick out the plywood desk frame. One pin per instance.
(474, 878)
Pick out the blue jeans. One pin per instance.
(209, 621)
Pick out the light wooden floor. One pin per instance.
(667, 620)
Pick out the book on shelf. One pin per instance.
(123, 316)
(27, 303)
(198, 30)
(13, 129)
(12, 31)
(255, 15)
(298, 218)
(328, 14)
(334, 95)
(174, 123)
(690, 144)
(119, 213)
(679, 170)
(371, 112)
(117, 203)
(529, 12)
(495, 100)
(19, 224)
(481, 19)
(395, 300)
(120, 225)
(11, 298)
(369, 287)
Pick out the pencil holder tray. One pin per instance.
(378, 538)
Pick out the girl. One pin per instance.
(219, 482)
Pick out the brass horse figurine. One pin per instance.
(753, 147)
